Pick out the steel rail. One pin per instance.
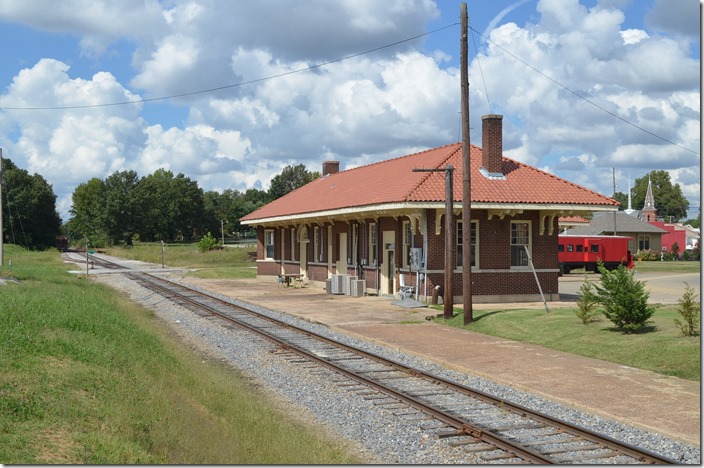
(642, 455)
(462, 427)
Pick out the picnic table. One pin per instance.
(296, 278)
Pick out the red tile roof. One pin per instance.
(393, 181)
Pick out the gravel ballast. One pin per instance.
(375, 433)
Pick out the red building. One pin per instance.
(384, 224)
(675, 234)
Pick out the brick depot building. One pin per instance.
(385, 224)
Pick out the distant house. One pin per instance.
(373, 221)
(645, 235)
(675, 234)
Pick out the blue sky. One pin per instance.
(635, 61)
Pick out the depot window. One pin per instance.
(269, 243)
(473, 243)
(520, 239)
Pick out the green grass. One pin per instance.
(668, 267)
(660, 347)
(230, 262)
(655, 267)
(88, 377)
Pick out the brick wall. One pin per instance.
(494, 254)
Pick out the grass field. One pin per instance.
(91, 378)
(230, 262)
(659, 348)
(88, 377)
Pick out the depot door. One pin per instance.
(388, 261)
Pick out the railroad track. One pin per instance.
(496, 431)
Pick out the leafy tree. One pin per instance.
(689, 311)
(215, 211)
(669, 200)
(29, 208)
(587, 302)
(696, 222)
(624, 298)
(291, 178)
(622, 199)
(120, 212)
(87, 213)
(207, 243)
(170, 207)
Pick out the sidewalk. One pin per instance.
(644, 399)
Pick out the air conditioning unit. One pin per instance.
(357, 288)
(347, 284)
(337, 284)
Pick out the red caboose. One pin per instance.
(585, 251)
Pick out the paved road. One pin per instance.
(664, 288)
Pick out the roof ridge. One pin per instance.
(533, 168)
(397, 157)
(422, 181)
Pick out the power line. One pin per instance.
(235, 85)
(584, 98)
(323, 64)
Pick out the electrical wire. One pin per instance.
(323, 64)
(584, 98)
(235, 85)
(481, 72)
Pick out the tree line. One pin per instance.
(124, 208)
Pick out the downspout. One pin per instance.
(378, 258)
(425, 254)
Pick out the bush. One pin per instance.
(689, 310)
(647, 255)
(587, 302)
(207, 243)
(624, 298)
(675, 250)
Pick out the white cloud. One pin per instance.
(586, 51)
(633, 36)
(360, 110)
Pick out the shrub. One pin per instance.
(675, 250)
(624, 298)
(669, 256)
(587, 302)
(208, 242)
(647, 255)
(689, 310)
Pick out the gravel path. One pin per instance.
(375, 434)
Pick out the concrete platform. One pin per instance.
(644, 399)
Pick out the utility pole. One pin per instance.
(449, 238)
(466, 179)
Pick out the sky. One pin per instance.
(228, 93)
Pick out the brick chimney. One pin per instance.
(330, 167)
(492, 145)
